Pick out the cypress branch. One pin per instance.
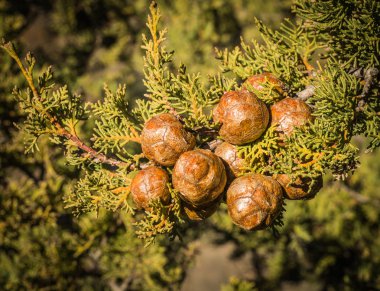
(344, 102)
(59, 129)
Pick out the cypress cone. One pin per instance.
(243, 116)
(301, 187)
(199, 176)
(201, 212)
(233, 163)
(259, 81)
(290, 113)
(254, 201)
(149, 184)
(164, 139)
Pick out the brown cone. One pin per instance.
(260, 80)
(290, 113)
(199, 176)
(254, 201)
(201, 212)
(149, 184)
(243, 116)
(229, 154)
(301, 187)
(163, 139)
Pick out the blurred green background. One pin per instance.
(329, 243)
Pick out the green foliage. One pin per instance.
(44, 246)
(114, 129)
(238, 285)
(327, 143)
(161, 219)
(57, 252)
(100, 189)
(285, 53)
(350, 28)
(180, 93)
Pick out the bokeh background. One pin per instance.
(329, 243)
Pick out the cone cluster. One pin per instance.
(204, 178)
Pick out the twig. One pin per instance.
(306, 93)
(202, 130)
(212, 145)
(370, 77)
(308, 66)
(98, 157)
